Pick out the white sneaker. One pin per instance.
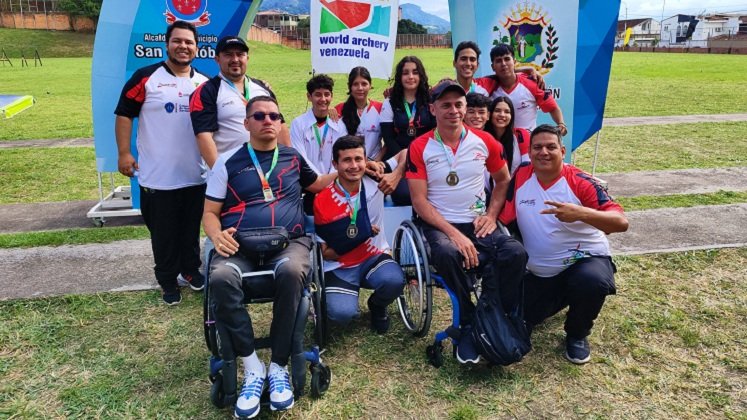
(247, 406)
(281, 394)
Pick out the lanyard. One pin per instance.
(260, 172)
(320, 138)
(410, 110)
(245, 96)
(352, 205)
(471, 87)
(452, 161)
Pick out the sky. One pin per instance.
(635, 8)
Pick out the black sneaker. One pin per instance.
(379, 317)
(577, 350)
(466, 352)
(172, 298)
(195, 281)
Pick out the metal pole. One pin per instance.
(596, 153)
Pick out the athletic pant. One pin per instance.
(502, 264)
(581, 287)
(228, 291)
(380, 273)
(173, 219)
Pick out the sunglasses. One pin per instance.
(260, 116)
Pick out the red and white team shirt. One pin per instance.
(218, 108)
(553, 245)
(167, 152)
(303, 139)
(330, 205)
(369, 128)
(520, 155)
(478, 152)
(526, 97)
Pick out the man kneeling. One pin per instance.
(563, 215)
(349, 217)
(258, 185)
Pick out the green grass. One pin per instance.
(641, 84)
(49, 44)
(659, 147)
(62, 89)
(54, 174)
(669, 344)
(676, 84)
(682, 200)
(72, 236)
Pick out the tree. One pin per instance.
(406, 26)
(304, 23)
(88, 8)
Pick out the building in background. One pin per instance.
(644, 32)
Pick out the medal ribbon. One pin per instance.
(245, 96)
(260, 172)
(320, 138)
(471, 87)
(410, 111)
(452, 161)
(352, 205)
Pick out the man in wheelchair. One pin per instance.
(445, 172)
(564, 215)
(349, 217)
(254, 216)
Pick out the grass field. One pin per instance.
(670, 344)
(640, 84)
(49, 44)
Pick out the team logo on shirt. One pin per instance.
(528, 203)
(193, 11)
(169, 107)
(528, 28)
(480, 156)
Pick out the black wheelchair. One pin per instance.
(223, 373)
(415, 304)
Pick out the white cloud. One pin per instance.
(635, 8)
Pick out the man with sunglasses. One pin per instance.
(217, 107)
(564, 215)
(168, 166)
(259, 185)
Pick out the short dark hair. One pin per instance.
(181, 25)
(347, 143)
(546, 128)
(477, 100)
(262, 98)
(464, 45)
(320, 81)
(500, 50)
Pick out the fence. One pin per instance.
(39, 14)
(688, 50)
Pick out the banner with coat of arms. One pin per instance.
(570, 43)
(132, 34)
(351, 33)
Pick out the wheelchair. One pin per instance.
(223, 373)
(415, 304)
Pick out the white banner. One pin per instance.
(350, 33)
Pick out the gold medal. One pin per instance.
(268, 195)
(452, 178)
(352, 231)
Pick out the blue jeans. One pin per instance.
(380, 273)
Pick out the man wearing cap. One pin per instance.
(445, 172)
(168, 166)
(217, 107)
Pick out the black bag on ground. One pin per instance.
(499, 337)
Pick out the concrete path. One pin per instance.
(608, 122)
(127, 265)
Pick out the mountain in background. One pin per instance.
(433, 23)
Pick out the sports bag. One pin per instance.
(260, 242)
(499, 337)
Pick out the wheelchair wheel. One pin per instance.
(217, 396)
(321, 376)
(208, 321)
(416, 302)
(318, 300)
